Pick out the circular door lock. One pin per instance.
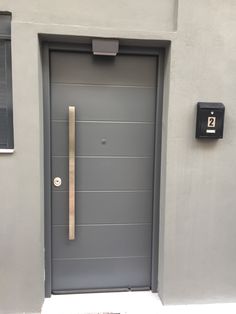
(57, 181)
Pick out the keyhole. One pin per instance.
(57, 181)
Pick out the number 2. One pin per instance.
(211, 122)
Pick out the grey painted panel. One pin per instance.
(129, 139)
(129, 272)
(87, 69)
(114, 205)
(106, 173)
(104, 207)
(112, 103)
(95, 241)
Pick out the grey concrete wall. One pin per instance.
(197, 249)
(198, 254)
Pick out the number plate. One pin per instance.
(211, 122)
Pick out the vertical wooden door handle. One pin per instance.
(71, 172)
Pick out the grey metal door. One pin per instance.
(114, 100)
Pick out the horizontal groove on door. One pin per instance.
(105, 122)
(88, 258)
(107, 224)
(101, 85)
(93, 157)
(104, 191)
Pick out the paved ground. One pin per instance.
(125, 303)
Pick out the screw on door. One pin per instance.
(57, 181)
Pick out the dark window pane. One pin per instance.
(6, 121)
(5, 24)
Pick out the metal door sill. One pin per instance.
(105, 290)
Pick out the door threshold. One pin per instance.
(100, 290)
(128, 302)
(83, 291)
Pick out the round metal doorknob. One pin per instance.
(57, 181)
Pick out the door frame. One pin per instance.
(133, 47)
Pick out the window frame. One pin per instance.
(6, 106)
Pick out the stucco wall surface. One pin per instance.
(198, 219)
(197, 226)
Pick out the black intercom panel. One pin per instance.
(210, 120)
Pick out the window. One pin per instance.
(6, 114)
